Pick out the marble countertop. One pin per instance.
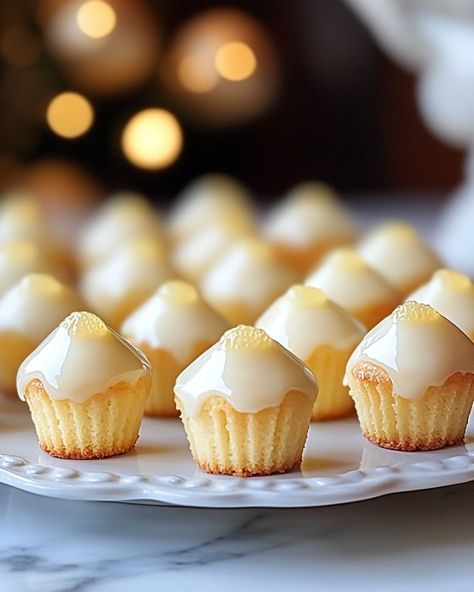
(420, 541)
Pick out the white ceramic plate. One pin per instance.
(339, 466)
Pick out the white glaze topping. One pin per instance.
(304, 319)
(452, 294)
(135, 271)
(399, 254)
(252, 371)
(195, 255)
(349, 281)
(310, 214)
(209, 201)
(20, 258)
(248, 272)
(417, 347)
(35, 305)
(81, 358)
(123, 218)
(175, 319)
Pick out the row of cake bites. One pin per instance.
(246, 402)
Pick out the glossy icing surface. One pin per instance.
(248, 368)
(417, 347)
(82, 357)
(35, 305)
(310, 214)
(304, 319)
(210, 201)
(452, 294)
(176, 319)
(398, 253)
(20, 258)
(248, 272)
(349, 281)
(123, 218)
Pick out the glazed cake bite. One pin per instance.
(124, 217)
(347, 279)
(400, 255)
(452, 294)
(193, 257)
(246, 405)
(86, 388)
(209, 202)
(412, 380)
(323, 335)
(115, 288)
(245, 280)
(308, 224)
(172, 328)
(30, 310)
(20, 258)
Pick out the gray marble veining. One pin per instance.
(420, 541)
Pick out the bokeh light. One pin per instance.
(96, 18)
(152, 139)
(196, 75)
(69, 115)
(235, 61)
(222, 67)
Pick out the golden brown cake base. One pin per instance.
(435, 420)
(165, 371)
(105, 425)
(333, 401)
(372, 315)
(227, 442)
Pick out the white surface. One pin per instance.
(338, 466)
(418, 542)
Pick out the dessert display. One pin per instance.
(86, 388)
(19, 258)
(307, 225)
(124, 217)
(452, 294)
(400, 255)
(246, 405)
(245, 280)
(172, 328)
(323, 335)
(208, 202)
(348, 280)
(193, 257)
(116, 287)
(412, 380)
(30, 310)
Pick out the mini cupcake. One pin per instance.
(117, 287)
(172, 328)
(245, 280)
(246, 405)
(350, 282)
(193, 257)
(209, 202)
(86, 388)
(412, 380)
(323, 335)
(307, 225)
(19, 258)
(452, 294)
(400, 255)
(28, 312)
(124, 217)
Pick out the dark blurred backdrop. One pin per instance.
(340, 112)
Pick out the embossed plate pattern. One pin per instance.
(339, 466)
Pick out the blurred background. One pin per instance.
(148, 95)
